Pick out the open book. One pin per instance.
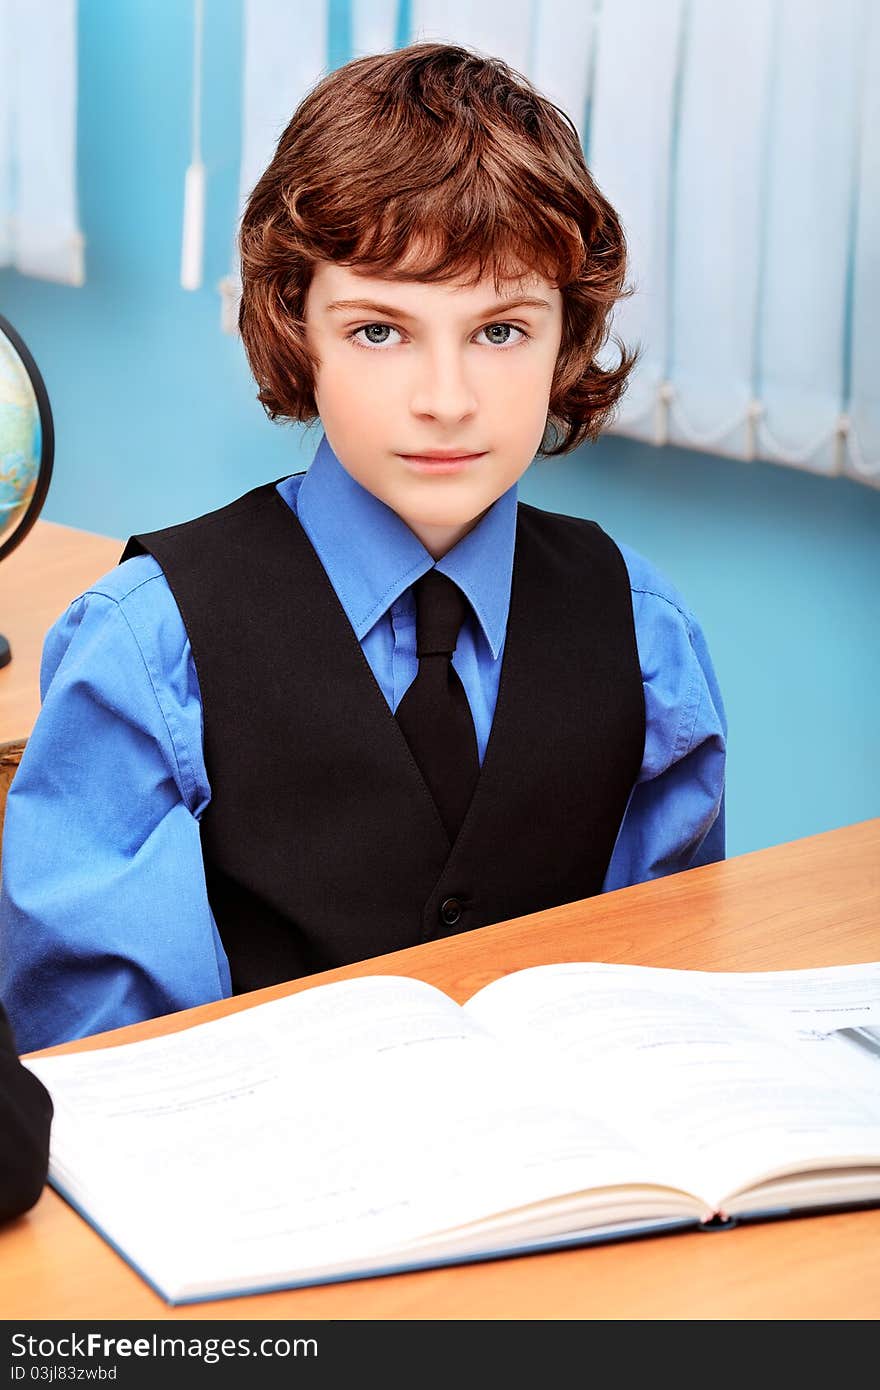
(375, 1125)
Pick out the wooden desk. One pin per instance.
(810, 903)
(37, 581)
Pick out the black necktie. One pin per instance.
(434, 713)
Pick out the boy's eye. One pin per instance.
(375, 334)
(499, 334)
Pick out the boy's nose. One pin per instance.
(442, 389)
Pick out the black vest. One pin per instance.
(321, 842)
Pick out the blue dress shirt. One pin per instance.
(104, 915)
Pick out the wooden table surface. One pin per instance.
(37, 581)
(813, 902)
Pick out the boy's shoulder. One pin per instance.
(647, 582)
(125, 580)
(129, 609)
(657, 604)
(646, 579)
(134, 597)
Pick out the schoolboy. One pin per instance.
(221, 791)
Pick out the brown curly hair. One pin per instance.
(438, 148)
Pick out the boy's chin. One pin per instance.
(449, 516)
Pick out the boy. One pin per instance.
(257, 757)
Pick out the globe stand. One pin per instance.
(5, 652)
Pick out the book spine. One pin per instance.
(719, 1221)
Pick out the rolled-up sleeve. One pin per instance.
(675, 816)
(104, 916)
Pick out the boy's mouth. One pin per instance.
(441, 461)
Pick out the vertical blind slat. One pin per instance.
(373, 26)
(500, 28)
(863, 453)
(717, 223)
(562, 54)
(42, 236)
(811, 149)
(6, 135)
(630, 157)
(285, 53)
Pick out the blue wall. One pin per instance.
(157, 420)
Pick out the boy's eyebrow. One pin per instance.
(397, 313)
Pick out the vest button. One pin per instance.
(450, 911)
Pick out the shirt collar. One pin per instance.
(371, 556)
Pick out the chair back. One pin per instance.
(10, 757)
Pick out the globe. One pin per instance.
(27, 444)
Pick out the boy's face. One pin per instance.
(408, 369)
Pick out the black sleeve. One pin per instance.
(25, 1117)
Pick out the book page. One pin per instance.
(810, 1005)
(812, 1008)
(690, 1058)
(318, 1129)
